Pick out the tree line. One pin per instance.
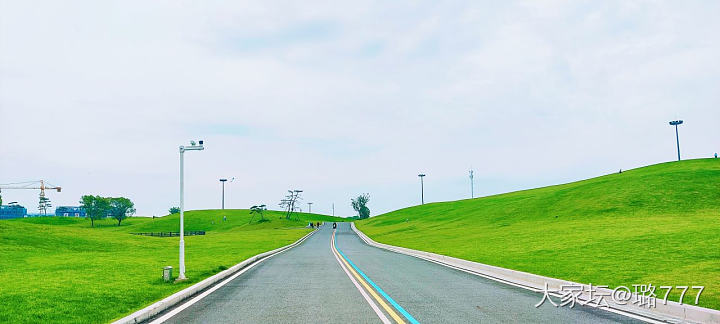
(97, 207)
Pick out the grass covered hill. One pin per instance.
(658, 224)
(58, 269)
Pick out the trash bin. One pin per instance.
(167, 274)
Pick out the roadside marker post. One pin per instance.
(167, 274)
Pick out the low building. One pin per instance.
(70, 211)
(12, 210)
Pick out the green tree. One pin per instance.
(289, 202)
(96, 207)
(174, 210)
(44, 205)
(360, 205)
(121, 208)
(257, 210)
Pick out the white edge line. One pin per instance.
(612, 310)
(374, 306)
(153, 310)
(197, 298)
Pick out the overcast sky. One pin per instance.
(341, 98)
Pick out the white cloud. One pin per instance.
(342, 98)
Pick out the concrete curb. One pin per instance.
(180, 296)
(672, 312)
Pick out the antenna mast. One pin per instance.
(472, 185)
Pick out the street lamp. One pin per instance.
(422, 189)
(223, 192)
(677, 138)
(192, 147)
(309, 207)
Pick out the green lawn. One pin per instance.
(658, 224)
(57, 269)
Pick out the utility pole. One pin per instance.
(422, 189)
(333, 208)
(677, 138)
(192, 147)
(223, 192)
(309, 207)
(472, 186)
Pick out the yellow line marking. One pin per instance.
(382, 303)
(365, 295)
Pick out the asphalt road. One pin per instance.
(312, 283)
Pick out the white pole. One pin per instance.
(182, 214)
(472, 185)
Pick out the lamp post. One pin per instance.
(422, 189)
(472, 185)
(677, 138)
(223, 192)
(192, 147)
(309, 207)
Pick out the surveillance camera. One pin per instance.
(201, 142)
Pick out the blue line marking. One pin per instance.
(396, 305)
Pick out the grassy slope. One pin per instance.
(658, 224)
(61, 270)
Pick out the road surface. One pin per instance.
(348, 281)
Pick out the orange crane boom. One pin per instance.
(40, 184)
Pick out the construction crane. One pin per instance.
(34, 185)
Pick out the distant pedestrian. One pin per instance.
(318, 224)
(224, 218)
(716, 155)
(311, 225)
(334, 225)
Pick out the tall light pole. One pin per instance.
(309, 207)
(472, 186)
(422, 189)
(223, 192)
(192, 147)
(333, 207)
(677, 138)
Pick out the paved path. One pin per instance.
(312, 283)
